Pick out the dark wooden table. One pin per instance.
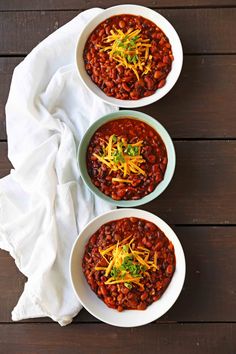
(200, 203)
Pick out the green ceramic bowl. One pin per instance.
(144, 118)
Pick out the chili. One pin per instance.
(126, 283)
(134, 143)
(127, 66)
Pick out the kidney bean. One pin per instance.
(101, 32)
(161, 83)
(162, 41)
(109, 84)
(170, 247)
(127, 79)
(159, 245)
(161, 65)
(139, 85)
(103, 290)
(149, 93)
(114, 74)
(166, 59)
(125, 87)
(132, 304)
(149, 82)
(150, 226)
(158, 74)
(144, 296)
(122, 24)
(120, 298)
(89, 56)
(156, 297)
(95, 72)
(93, 239)
(152, 158)
(124, 290)
(142, 306)
(110, 302)
(107, 30)
(169, 269)
(153, 49)
(134, 95)
(117, 236)
(120, 69)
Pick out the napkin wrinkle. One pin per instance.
(44, 203)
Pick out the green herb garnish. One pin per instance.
(115, 272)
(132, 150)
(128, 285)
(118, 157)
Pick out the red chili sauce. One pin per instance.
(128, 57)
(138, 159)
(129, 263)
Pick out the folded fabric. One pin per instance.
(43, 202)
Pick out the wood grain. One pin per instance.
(7, 66)
(85, 4)
(201, 105)
(5, 164)
(104, 339)
(203, 190)
(212, 30)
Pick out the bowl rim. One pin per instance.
(157, 126)
(177, 280)
(173, 74)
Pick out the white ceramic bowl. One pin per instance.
(127, 318)
(151, 15)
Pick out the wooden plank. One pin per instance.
(203, 189)
(196, 107)
(21, 31)
(209, 289)
(104, 339)
(202, 104)
(6, 69)
(5, 164)
(212, 30)
(12, 281)
(15, 5)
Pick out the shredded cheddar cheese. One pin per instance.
(129, 50)
(126, 264)
(118, 155)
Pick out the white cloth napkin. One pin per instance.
(43, 202)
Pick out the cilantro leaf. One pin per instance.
(134, 60)
(118, 157)
(115, 272)
(132, 150)
(125, 248)
(128, 285)
(129, 58)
